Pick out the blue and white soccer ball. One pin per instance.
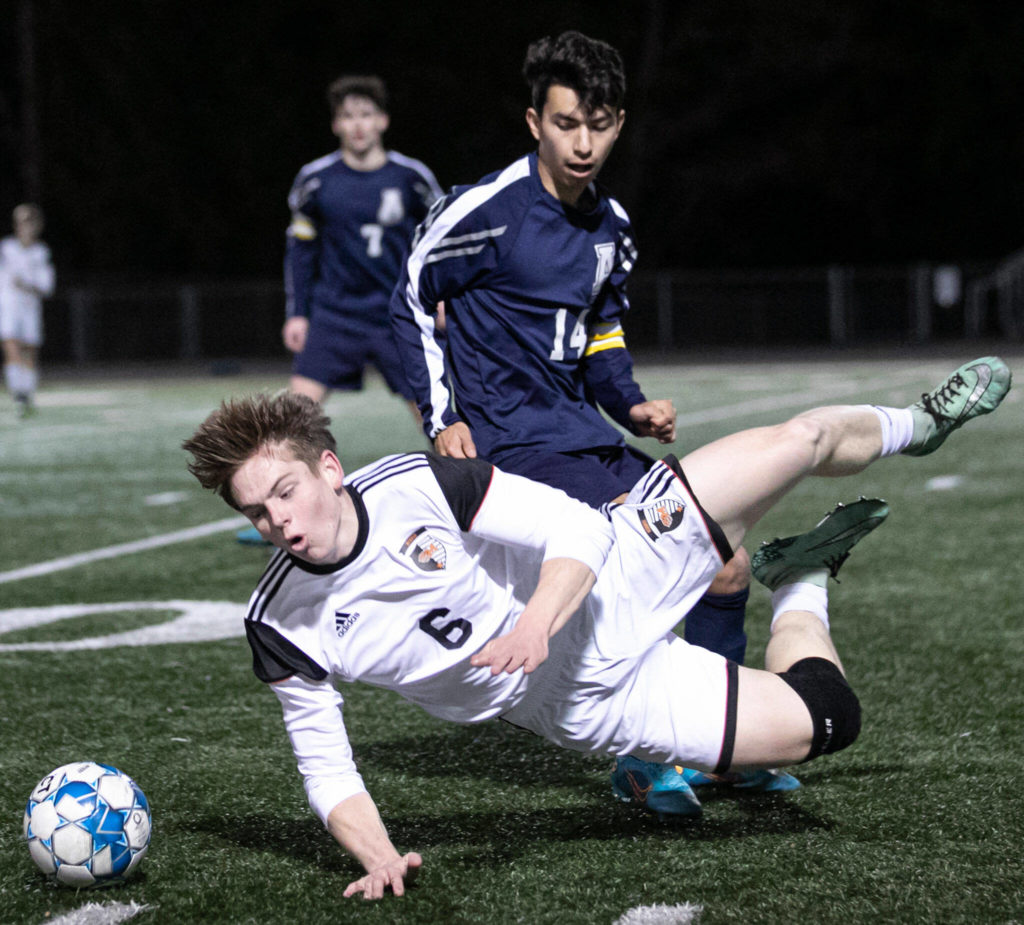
(87, 824)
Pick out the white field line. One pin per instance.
(108, 913)
(661, 914)
(807, 399)
(122, 549)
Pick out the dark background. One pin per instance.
(161, 137)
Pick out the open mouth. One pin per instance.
(580, 169)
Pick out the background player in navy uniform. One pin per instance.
(474, 593)
(353, 215)
(532, 264)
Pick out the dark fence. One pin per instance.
(671, 310)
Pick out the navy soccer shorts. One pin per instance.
(595, 476)
(339, 347)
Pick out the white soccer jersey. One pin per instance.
(448, 552)
(21, 311)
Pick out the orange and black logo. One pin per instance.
(662, 516)
(425, 550)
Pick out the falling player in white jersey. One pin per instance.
(477, 594)
(26, 278)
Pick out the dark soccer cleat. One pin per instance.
(825, 548)
(659, 788)
(976, 388)
(26, 407)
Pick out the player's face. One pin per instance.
(360, 125)
(572, 142)
(27, 227)
(301, 511)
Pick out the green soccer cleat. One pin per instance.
(976, 388)
(823, 549)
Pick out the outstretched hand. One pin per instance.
(395, 874)
(655, 419)
(519, 648)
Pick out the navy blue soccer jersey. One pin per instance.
(350, 232)
(535, 292)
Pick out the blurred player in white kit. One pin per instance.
(26, 278)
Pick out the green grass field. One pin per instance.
(922, 820)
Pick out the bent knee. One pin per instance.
(806, 431)
(834, 707)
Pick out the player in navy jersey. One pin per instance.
(476, 594)
(353, 215)
(532, 264)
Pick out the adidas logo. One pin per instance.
(343, 622)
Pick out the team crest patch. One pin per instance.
(343, 622)
(425, 550)
(661, 517)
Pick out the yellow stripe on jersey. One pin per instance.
(301, 227)
(606, 337)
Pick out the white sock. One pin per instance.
(16, 378)
(30, 380)
(800, 596)
(897, 428)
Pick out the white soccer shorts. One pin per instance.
(21, 322)
(617, 680)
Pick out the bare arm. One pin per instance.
(563, 585)
(358, 828)
(313, 718)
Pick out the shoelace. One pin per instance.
(935, 403)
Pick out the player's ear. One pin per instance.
(385, 122)
(331, 469)
(533, 120)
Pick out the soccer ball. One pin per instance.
(87, 825)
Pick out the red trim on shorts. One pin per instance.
(729, 733)
(487, 491)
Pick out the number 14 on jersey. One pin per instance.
(571, 346)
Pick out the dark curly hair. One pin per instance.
(591, 68)
(241, 427)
